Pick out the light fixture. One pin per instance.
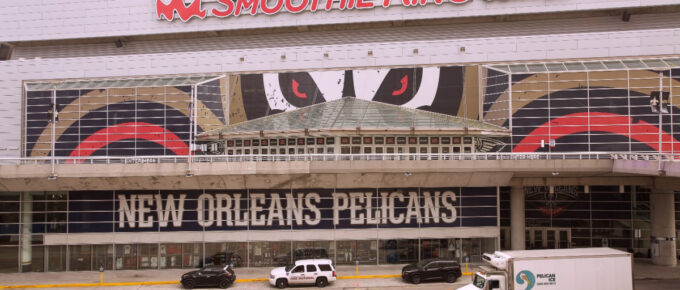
(119, 43)
(189, 173)
(52, 176)
(626, 16)
(407, 174)
(555, 173)
(415, 51)
(370, 53)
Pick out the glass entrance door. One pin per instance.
(548, 238)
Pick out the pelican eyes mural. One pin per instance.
(436, 89)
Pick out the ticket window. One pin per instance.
(434, 151)
(467, 144)
(423, 151)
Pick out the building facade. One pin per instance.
(154, 134)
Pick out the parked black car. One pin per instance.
(223, 259)
(220, 276)
(431, 269)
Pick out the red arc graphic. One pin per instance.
(602, 122)
(404, 84)
(296, 90)
(131, 130)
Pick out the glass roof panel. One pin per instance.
(556, 67)
(654, 63)
(518, 68)
(118, 83)
(537, 67)
(575, 66)
(634, 64)
(348, 114)
(673, 61)
(594, 65)
(614, 64)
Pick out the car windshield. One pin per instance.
(479, 281)
(289, 267)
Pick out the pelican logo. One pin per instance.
(526, 277)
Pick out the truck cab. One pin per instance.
(487, 279)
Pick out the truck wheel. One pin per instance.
(415, 279)
(281, 283)
(451, 278)
(321, 282)
(189, 284)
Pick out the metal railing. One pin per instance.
(342, 157)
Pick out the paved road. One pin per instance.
(378, 284)
(657, 284)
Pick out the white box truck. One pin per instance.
(568, 269)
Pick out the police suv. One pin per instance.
(314, 271)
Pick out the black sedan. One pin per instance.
(220, 276)
(431, 269)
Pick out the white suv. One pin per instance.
(317, 271)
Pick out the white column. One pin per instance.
(26, 225)
(517, 223)
(662, 219)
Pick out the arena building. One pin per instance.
(154, 134)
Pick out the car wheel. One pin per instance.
(281, 283)
(189, 283)
(224, 283)
(415, 279)
(451, 278)
(321, 282)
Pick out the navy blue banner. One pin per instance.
(267, 209)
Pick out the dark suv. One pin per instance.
(220, 276)
(430, 269)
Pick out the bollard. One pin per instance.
(101, 274)
(357, 268)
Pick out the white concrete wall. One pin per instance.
(607, 37)
(57, 19)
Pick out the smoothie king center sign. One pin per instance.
(185, 10)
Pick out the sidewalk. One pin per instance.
(642, 269)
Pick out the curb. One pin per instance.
(177, 282)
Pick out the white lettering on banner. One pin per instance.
(317, 214)
(337, 196)
(170, 209)
(255, 209)
(202, 200)
(272, 209)
(126, 210)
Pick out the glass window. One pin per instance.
(412, 140)
(389, 140)
(310, 141)
(398, 251)
(445, 150)
(264, 151)
(298, 269)
(330, 140)
(455, 140)
(247, 151)
(378, 150)
(265, 142)
(171, 256)
(282, 142)
(246, 143)
(239, 143)
(356, 140)
(467, 140)
(422, 140)
(9, 260)
(230, 143)
(390, 150)
(311, 268)
(56, 258)
(80, 257)
(368, 140)
(103, 256)
(325, 267)
(282, 151)
(148, 256)
(344, 150)
(191, 255)
(300, 150)
(446, 140)
(456, 149)
(379, 140)
(401, 140)
(264, 254)
(367, 150)
(291, 151)
(434, 140)
(468, 149)
(256, 151)
(344, 140)
(301, 141)
(256, 142)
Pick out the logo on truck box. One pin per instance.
(526, 277)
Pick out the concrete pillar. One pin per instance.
(662, 219)
(26, 226)
(517, 222)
